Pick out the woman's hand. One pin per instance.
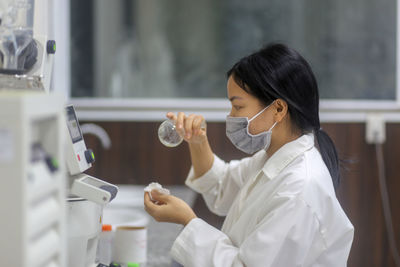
(190, 127)
(169, 208)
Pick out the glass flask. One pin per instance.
(169, 136)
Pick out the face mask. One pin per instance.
(237, 130)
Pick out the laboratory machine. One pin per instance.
(32, 180)
(86, 197)
(52, 211)
(26, 44)
(32, 136)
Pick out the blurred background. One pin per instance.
(125, 63)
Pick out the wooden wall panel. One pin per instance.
(137, 157)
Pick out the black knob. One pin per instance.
(89, 155)
(51, 47)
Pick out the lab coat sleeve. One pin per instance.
(200, 244)
(282, 238)
(220, 185)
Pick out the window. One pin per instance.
(182, 49)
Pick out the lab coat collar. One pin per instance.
(286, 154)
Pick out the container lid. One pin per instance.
(133, 264)
(106, 227)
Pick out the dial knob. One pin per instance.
(89, 155)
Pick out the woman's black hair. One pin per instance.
(277, 71)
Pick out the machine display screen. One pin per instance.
(73, 125)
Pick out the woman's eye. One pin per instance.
(237, 107)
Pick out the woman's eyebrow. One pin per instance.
(235, 97)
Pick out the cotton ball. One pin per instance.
(158, 187)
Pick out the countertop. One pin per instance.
(127, 209)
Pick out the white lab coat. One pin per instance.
(280, 211)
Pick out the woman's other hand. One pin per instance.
(168, 208)
(190, 127)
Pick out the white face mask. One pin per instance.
(237, 130)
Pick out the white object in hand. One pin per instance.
(158, 187)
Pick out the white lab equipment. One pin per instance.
(16, 35)
(86, 197)
(79, 159)
(32, 202)
(26, 45)
(32, 137)
(40, 229)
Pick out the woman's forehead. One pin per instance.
(235, 91)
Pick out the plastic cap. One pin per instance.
(133, 264)
(106, 227)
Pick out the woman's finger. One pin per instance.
(180, 122)
(171, 116)
(149, 206)
(159, 197)
(147, 200)
(189, 126)
(197, 124)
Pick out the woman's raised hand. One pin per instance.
(190, 127)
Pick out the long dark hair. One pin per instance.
(277, 71)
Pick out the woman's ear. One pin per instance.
(281, 109)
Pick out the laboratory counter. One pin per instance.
(127, 209)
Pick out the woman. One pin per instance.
(280, 203)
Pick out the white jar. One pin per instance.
(130, 245)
